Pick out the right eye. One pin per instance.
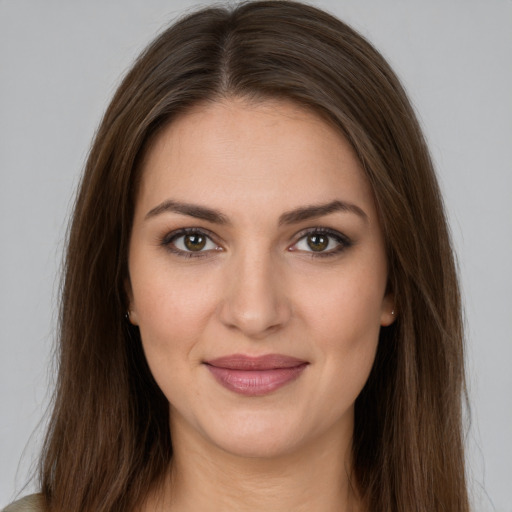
(190, 243)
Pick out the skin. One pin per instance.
(257, 288)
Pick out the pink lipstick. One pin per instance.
(255, 376)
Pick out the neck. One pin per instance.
(207, 478)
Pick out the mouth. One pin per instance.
(255, 376)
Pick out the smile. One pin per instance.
(255, 376)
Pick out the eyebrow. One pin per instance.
(319, 210)
(192, 210)
(290, 217)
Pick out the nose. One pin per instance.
(254, 300)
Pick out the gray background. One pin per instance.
(60, 62)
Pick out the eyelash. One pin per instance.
(342, 240)
(169, 240)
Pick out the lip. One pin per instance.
(255, 376)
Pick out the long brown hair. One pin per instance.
(108, 439)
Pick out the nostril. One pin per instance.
(254, 318)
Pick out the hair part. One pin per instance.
(108, 440)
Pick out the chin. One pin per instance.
(265, 436)
(252, 446)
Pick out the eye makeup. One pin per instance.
(323, 242)
(192, 242)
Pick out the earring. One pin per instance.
(393, 312)
(127, 316)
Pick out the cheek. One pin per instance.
(346, 305)
(172, 315)
(172, 309)
(344, 319)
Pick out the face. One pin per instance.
(257, 276)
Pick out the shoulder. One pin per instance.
(32, 503)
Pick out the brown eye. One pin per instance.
(317, 242)
(322, 242)
(195, 242)
(190, 243)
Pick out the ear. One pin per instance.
(388, 310)
(131, 310)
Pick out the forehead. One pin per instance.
(234, 153)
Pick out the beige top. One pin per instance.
(32, 503)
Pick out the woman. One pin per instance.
(260, 308)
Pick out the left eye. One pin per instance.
(193, 242)
(320, 242)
